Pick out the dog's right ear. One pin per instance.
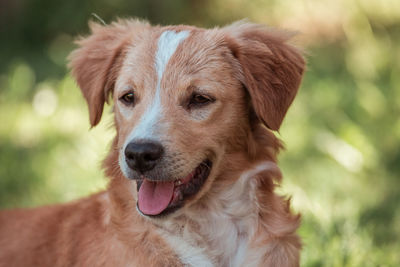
(96, 62)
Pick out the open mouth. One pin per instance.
(158, 198)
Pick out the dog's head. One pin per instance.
(185, 99)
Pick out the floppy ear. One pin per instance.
(96, 62)
(271, 69)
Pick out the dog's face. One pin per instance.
(177, 103)
(184, 100)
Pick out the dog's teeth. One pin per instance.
(178, 182)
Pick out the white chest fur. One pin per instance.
(219, 233)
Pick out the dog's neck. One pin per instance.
(220, 229)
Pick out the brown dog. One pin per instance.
(193, 165)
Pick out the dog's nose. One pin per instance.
(143, 156)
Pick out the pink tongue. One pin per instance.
(154, 197)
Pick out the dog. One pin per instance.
(192, 167)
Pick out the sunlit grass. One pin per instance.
(53, 125)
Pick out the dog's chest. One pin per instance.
(227, 245)
(218, 235)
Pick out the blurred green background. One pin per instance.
(342, 163)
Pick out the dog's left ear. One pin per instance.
(96, 62)
(271, 69)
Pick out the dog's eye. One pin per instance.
(128, 98)
(199, 100)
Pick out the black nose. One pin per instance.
(143, 156)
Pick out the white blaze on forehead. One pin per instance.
(167, 45)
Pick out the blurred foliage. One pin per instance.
(342, 134)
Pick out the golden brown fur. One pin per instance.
(254, 75)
